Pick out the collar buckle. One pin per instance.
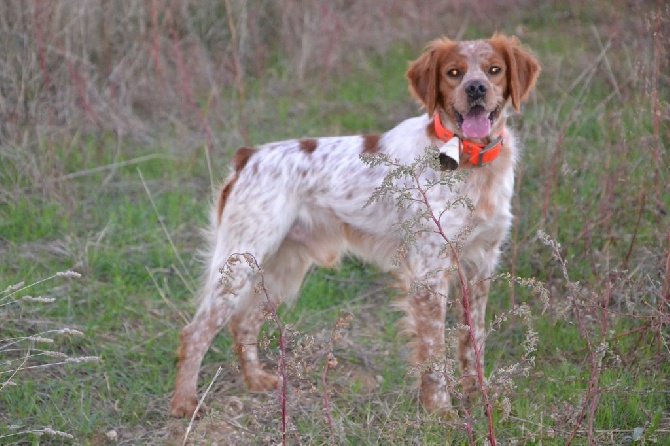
(490, 152)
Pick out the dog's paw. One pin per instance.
(434, 395)
(185, 407)
(262, 381)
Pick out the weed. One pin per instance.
(91, 90)
(26, 354)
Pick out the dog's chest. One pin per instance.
(476, 207)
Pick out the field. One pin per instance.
(118, 121)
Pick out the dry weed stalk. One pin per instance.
(330, 362)
(407, 185)
(97, 67)
(579, 300)
(288, 368)
(592, 313)
(26, 352)
(201, 404)
(271, 308)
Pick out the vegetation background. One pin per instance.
(118, 119)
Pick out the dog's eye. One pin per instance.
(454, 72)
(494, 70)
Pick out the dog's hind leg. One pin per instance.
(214, 312)
(240, 245)
(228, 297)
(281, 278)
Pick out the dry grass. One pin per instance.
(91, 90)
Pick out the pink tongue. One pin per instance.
(476, 125)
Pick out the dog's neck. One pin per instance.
(477, 152)
(497, 129)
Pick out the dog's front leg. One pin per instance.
(473, 315)
(426, 311)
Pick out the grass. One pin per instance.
(80, 198)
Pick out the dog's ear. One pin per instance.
(522, 68)
(424, 73)
(422, 76)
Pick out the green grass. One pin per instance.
(135, 293)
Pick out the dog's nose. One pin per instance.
(475, 90)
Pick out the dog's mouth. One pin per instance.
(477, 122)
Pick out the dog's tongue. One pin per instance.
(476, 124)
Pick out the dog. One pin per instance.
(292, 204)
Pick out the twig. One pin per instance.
(81, 87)
(331, 362)
(282, 366)
(165, 231)
(251, 260)
(76, 360)
(610, 72)
(642, 200)
(17, 289)
(188, 93)
(657, 104)
(42, 54)
(156, 41)
(15, 371)
(200, 402)
(664, 317)
(595, 356)
(330, 358)
(239, 84)
(112, 166)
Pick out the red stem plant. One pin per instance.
(281, 366)
(465, 302)
(239, 82)
(657, 104)
(39, 37)
(420, 186)
(155, 37)
(185, 83)
(580, 299)
(331, 363)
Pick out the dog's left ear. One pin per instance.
(522, 68)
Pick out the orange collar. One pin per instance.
(478, 154)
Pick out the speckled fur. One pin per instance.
(295, 203)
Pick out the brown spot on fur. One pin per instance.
(430, 130)
(308, 145)
(225, 192)
(240, 160)
(353, 235)
(241, 157)
(371, 143)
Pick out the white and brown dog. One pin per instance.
(295, 203)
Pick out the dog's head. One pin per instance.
(470, 83)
